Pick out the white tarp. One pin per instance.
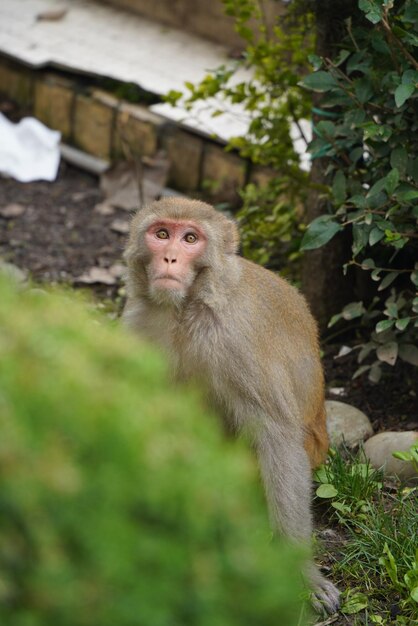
(28, 150)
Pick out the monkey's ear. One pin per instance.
(231, 238)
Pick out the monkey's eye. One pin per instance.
(162, 234)
(191, 238)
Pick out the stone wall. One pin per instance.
(205, 18)
(107, 127)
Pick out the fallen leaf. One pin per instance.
(12, 210)
(97, 275)
(123, 184)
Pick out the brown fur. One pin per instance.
(249, 337)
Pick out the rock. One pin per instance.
(12, 210)
(98, 275)
(346, 424)
(379, 449)
(120, 226)
(13, 272)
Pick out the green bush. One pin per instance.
(368, 138)
(120, 501)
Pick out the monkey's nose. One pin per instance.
(170, 260)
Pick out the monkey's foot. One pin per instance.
(325, 596)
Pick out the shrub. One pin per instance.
(120, 502)
(368, 137)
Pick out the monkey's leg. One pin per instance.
(286, 475)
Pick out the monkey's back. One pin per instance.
(288, 336)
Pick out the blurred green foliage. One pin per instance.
(121, 504)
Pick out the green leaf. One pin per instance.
(315, 61)
(326, 491)
(402, 323)
(343, 508)
(375, 373)
(414, 278)
(388, 280)
(319, 81)
(402, 93)
(375, 236)
(402, 456)
(368, 264)
(353, 310)
(325, 128)
(414, 594)
(409, 353)
(392, 180)
(361, 370)
(355, 603)
(334, 319)
(388, 352)
(319, 232)
(339, 187)
(377, 188)
(384, 325)
(407, 196)
(399, 159)
(363, 89)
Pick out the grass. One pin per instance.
(379, 563)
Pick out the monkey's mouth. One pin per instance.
(167, 279)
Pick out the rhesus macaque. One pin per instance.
(247, 336)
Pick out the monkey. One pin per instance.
(248, 337)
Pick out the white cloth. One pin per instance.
(28, 150)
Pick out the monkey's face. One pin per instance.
(175, 248)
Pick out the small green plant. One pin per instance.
(368, 138)
(381, 549)
(349, 482)
(410, 455)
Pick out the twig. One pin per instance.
(399, 43)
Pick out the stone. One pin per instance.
(184, 152)
(13, 272)
(120, 226)
(379, 450)
(93, 124)
(346, 424)
(99, 275)
(11, 211)
(137, 131)
(223, 174)
(54, 99)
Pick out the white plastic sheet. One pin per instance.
(28, 150)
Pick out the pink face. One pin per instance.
(175, 245)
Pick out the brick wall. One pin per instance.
(107, 127)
